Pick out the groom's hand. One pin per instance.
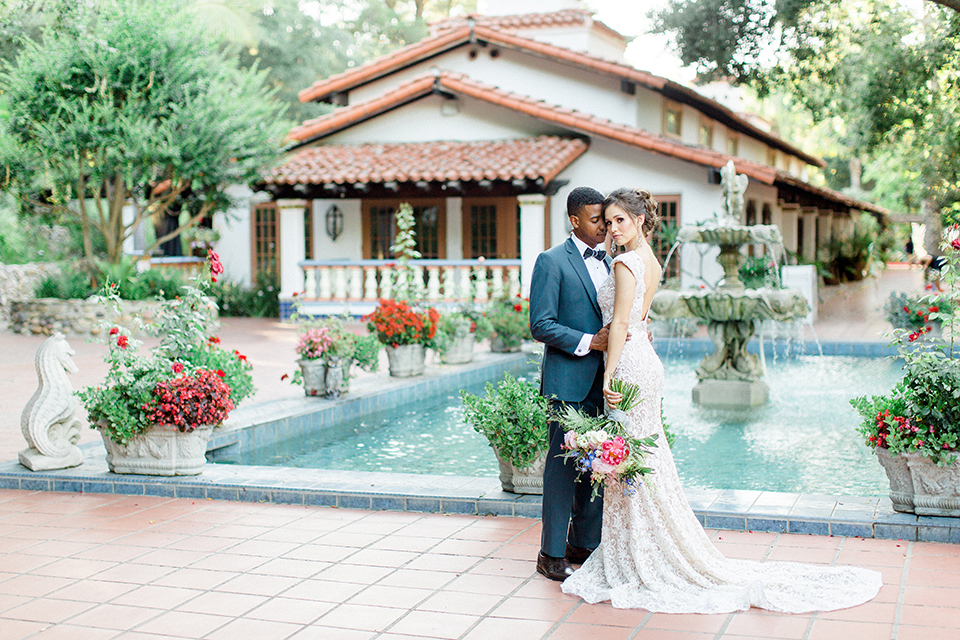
(599, 342)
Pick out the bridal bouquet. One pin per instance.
(603, 446)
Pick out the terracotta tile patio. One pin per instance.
(69, 571)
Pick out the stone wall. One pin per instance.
(18, 282)
(72, 317)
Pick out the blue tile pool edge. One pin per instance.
(871, 518)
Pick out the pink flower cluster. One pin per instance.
(188, 402)
(314, 343)
(599, 452)
(216, 267)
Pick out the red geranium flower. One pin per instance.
(177, 367)
(122, 342)
(114, 331)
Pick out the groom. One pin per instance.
(565, 316)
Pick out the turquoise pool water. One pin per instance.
(803, 441)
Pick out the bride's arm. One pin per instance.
(625, 288)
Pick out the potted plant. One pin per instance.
(513, 417)
(156, 412)
(327, 353)
(458, 332)
(312, 346)
(406, 332)
(916, 313)
(915, 428)
(510, 318)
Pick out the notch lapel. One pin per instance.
(576, 262)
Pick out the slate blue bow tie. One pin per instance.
(594, 253)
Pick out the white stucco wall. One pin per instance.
(348, 246)
(235, 240)
(554, 83)
(423, 121)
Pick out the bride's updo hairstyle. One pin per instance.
(636, 202)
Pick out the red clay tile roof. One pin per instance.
(542, 157)
(435, 45)
(567, 118)
(784, 178)
(525, 21)
(564, 18)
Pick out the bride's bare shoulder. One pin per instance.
(650, 262)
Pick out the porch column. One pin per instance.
(809, 233)
(788, 225)
(531, 235)
(826, 227)
(291, 237)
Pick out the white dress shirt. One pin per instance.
(598, 273)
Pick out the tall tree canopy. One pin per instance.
(126, 102)
(884, 78)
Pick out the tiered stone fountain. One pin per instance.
(731, 376)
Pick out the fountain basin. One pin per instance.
(732, 235)
(730, 306)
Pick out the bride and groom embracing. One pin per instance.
(646, 549)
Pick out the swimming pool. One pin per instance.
(803, 441)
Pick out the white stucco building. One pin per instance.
(484, 127)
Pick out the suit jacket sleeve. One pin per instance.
(545, 307)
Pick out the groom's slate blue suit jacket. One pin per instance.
(563, 307)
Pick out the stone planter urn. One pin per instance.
(526, 480)
(460, 350)
(497, 345)
(314, 377)
(919, 486)
(406, 360)
(162, 451)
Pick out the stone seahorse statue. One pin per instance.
(47, 422)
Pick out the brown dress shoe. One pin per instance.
(577, 555)
(554, 568)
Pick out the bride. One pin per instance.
(653, 552)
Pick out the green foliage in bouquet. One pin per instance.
(602, 446)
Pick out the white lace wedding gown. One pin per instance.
(654, 554)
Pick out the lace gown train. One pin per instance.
(654, 554)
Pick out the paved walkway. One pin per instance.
(83, 566)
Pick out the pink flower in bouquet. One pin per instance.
(615, 451)
(599, 466)
(570, 440)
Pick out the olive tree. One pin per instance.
(132, 105)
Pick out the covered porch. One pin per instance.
(481, 213)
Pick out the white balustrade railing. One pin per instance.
(452, 281)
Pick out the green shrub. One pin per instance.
(513, 416)
(759, 271)
(66, 285)
(258, 302)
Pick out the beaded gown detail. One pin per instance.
(655, 555)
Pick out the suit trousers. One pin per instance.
(568, 514)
